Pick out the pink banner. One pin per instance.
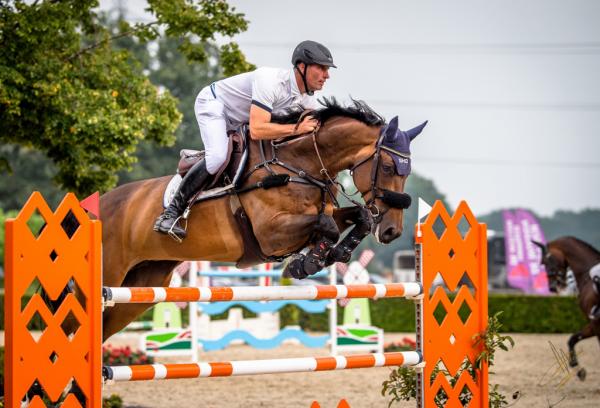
(523, 267)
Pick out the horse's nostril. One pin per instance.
(390, 234)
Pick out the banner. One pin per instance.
(523, 268)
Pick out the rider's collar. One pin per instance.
(294, 90)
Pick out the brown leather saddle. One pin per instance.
(225, 183)
(227, 172)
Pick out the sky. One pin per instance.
(511, 89)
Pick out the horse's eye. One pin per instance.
(387, 169)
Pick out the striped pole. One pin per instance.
(258, 293)
(253, 367)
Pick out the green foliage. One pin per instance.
(401, 385)
(537, 314)
(491, 340)
(114, 401)
(66, 92)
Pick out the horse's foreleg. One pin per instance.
(363, 222)
(327, 234)
(150, 273)
(586, 332)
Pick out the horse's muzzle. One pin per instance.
(396, 200)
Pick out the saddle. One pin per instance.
(225, 182)
(225, 175)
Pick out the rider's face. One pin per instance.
(316, 75)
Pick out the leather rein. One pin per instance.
(326, 182)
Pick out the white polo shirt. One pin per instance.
(272, 89)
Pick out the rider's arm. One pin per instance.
(265, 92)
(262, 128)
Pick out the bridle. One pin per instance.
(327, 183)
(555, 271)
(391, 198)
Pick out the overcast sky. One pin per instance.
(511, 89)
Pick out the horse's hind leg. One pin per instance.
(587, 331)
(149, 273)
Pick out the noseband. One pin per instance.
(554, 269)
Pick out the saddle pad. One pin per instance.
(170, 190)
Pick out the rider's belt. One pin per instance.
(212, 89)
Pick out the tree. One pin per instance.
(67, 92)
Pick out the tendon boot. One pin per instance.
(196, 179)
(595, 311)
(303, 266)
(343, 251)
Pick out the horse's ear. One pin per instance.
(391, 129)
(414, 132)
(543, 247)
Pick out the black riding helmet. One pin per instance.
(311, 52)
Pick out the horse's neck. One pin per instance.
(343, 143)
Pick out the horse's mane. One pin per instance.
(588, 246)
(580, 242)
(359, 110)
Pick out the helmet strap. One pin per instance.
(303, 75)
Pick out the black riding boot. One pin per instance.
(196, 179)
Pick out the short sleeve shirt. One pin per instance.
(271, 89)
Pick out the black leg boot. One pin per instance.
(195, 179)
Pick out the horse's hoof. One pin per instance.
(581, 374)
(296, 267)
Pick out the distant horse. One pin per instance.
(284, 219)
(572, 253)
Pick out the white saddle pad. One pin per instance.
(170, 190)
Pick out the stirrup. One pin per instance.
(172, 233)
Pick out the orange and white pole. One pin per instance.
(257, 293)
(254, 367)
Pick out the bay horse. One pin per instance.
(284, 219)
(580, 257)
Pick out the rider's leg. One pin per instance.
(301, 265)
(211, 120)
(595, 276)
(595, 311)
(195, 179)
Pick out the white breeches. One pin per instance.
(210, 114)
(595, 272)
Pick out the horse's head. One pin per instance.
(381, 176)
(556, 267)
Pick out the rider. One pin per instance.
(595, 275)
(248, 98)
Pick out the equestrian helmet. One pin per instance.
(311, 52)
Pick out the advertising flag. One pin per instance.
(523, 267)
